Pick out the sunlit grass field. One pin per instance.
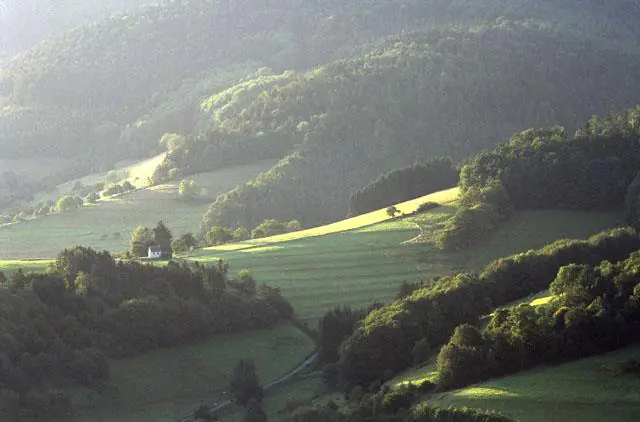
(9, 266)
(378, 216)
(164, 385)
(108, 224)
(359, 266)
(581, 391)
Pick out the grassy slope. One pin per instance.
(368, 219)
(165, 384)
(582, 391)
(97, 225)
(359, 266)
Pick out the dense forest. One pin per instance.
(60, 327)
(422, 95)
(404, 184)
(110, 88)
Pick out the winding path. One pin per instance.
(219, 406)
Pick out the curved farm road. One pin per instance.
(219, 406)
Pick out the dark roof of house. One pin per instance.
(155, 248)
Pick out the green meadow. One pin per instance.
(583, 391)
(165, 385)
(359, 266)
(108, 224)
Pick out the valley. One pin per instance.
(319, 211)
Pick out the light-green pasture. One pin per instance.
(108, 224)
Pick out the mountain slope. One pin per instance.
(422, 95)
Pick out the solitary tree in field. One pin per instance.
(245, 384)
(392, 211)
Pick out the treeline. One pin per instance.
(404, 184)
(61, 327)
(446, 86)
(546, 169)
(596, 309)
(430, 314)
(385, 406)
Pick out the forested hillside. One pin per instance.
(26, 22)
(418, 96)
(95, 86)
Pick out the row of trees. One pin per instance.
(430, 314)
(60, 327)
(596, 309)
(404, 184)
(217, 235)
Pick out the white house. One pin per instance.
(154, 252)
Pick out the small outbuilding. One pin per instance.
(155, 252)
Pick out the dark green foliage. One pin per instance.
(479, 213)
(184, 243)
(244, 384)
(404, 184)
(275, 299)
(418, 96)
(395, 401)
(273, 227)
(162, 237)
(334, 326)
(217, 236)
(116, 189)
(143, 237)
(406, 289)
(427, 413)
(426, 206)
(59, 328)
(545, 168)
(254, 412)
(596, 310)
(433, 312)
(392, 211)
(632, 203)
(421, 351)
